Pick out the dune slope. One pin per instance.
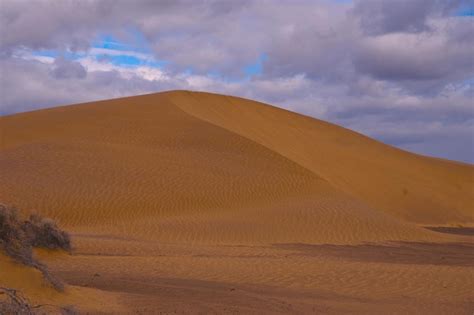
(409, 186)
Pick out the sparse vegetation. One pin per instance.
(18, 237)
(43, 232)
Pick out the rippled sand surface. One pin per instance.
(187, 202)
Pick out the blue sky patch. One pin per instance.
(109, 42)
(109, 49)
(130, 61)
(131, 53)
(467, 10)
(255, 68)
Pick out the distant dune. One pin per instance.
(148, 184)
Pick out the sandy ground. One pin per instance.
(185, 202)
(285, 278)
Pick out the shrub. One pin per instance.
(43, 232)
(13, 237)
(13, 303)
(17, 238)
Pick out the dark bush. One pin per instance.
(43, 232)
(13, 303)
(13, 238)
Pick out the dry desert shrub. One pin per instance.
(43, 232)
(13, 303)
(13, 237)
(18, 237)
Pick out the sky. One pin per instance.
(400, 71)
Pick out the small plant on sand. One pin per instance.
(18, 237)
(43, 232)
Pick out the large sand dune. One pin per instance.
(192, 192)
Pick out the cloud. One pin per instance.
(65, 69)
(434, 55)
(407, 16)
(400, 71)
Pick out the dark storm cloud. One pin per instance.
(381, 17)
(66, 69)
(433, 55)
(49, 24)
(401, 71)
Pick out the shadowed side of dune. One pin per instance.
(408, 186)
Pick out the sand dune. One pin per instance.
(205, 189)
